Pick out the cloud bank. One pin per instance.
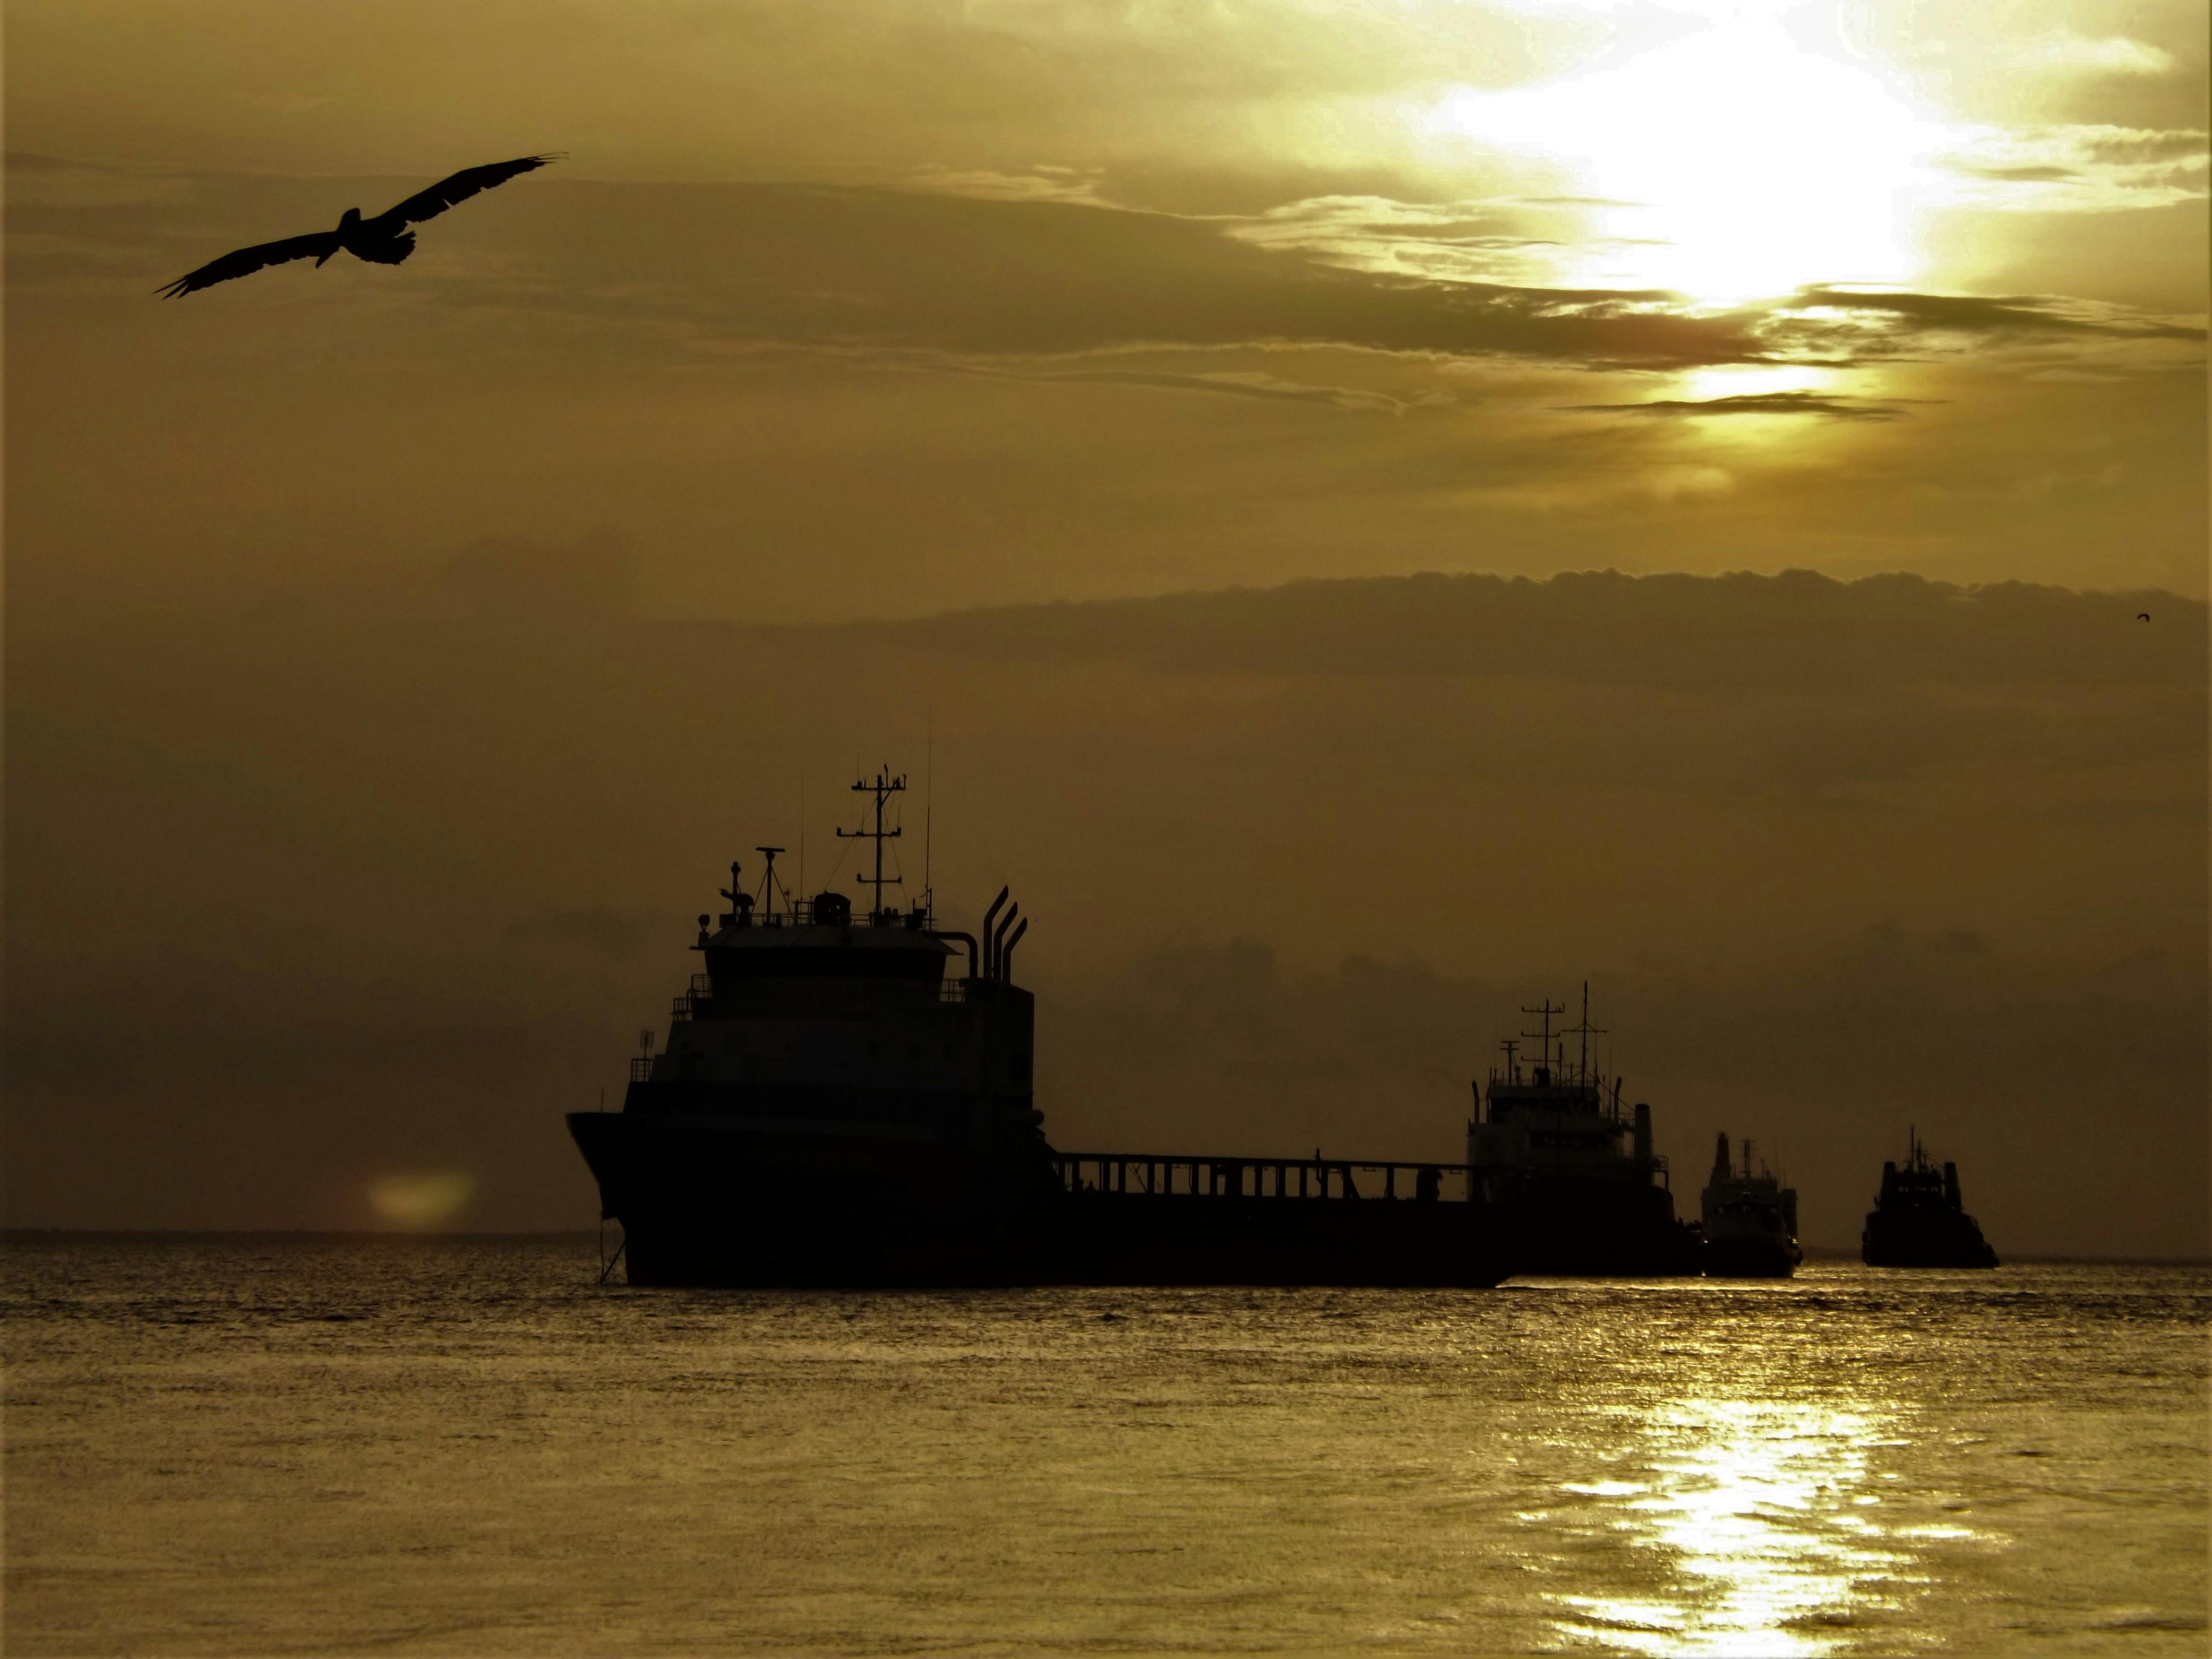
(377, 873)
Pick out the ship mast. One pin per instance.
(1545, 1036)
(883, 789)
(1586, 1030)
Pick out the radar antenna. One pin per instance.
(882, 789)
(770, 886)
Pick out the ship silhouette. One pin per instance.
(1573, 1182)
(1749, 1219)
(833, 1106)
(1919, 1220)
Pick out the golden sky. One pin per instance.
(364, 648)
(880, 308)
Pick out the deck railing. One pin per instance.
(1180, 1176)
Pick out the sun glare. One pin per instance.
(1731, 163)
(1753, 379)
(1766, 1515)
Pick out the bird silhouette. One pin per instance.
(2142, 616)
(384, 241)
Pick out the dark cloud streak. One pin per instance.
(859, 269)
(1755, 403)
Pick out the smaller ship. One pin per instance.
(1750, 1220)
(1918, 1220)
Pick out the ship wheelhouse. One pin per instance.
(811, 1017)
(1559, 1116)
(1569, 1171)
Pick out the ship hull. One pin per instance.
(1130, 1238)
(1939, 1239)
(712, 1201)
(1750, 1258)
(1568, 1228)
(705, 1201)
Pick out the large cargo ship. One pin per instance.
(835, 1106)
(1573, 1182)
(1919, 1220)
(1750, 1219)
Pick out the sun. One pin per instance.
(1732, 163)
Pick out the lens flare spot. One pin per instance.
(417, 1199)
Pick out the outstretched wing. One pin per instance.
(391, 252)
(452, 192)
(247, 260)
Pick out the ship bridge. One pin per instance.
(815, 1015)
(1558, 1116)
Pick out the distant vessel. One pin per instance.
(1750, 1220)
(1918, 1221)
(832, 1107)
(1574, 1184)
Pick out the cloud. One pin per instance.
(2079, 168)
(671, 268)
(1233, 383)
(444, 861)
(593, 576)
(48, 181)
(1756, 403)
(1674, 632)
(1042, 184)
(2068, 52)
(1841, 326)
(751, 87)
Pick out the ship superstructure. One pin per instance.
(1749, 1217)
(1919, 1220)
(1573, 1180)
(832, 1106)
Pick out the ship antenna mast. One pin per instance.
(883, 789)
(1587, 1031)
(928, 811)
(1544, 1036)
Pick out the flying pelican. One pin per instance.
(384, 241)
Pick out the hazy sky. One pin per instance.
(380, 696)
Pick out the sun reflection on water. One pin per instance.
(1770, 1528)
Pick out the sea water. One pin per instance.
(251, 1445)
